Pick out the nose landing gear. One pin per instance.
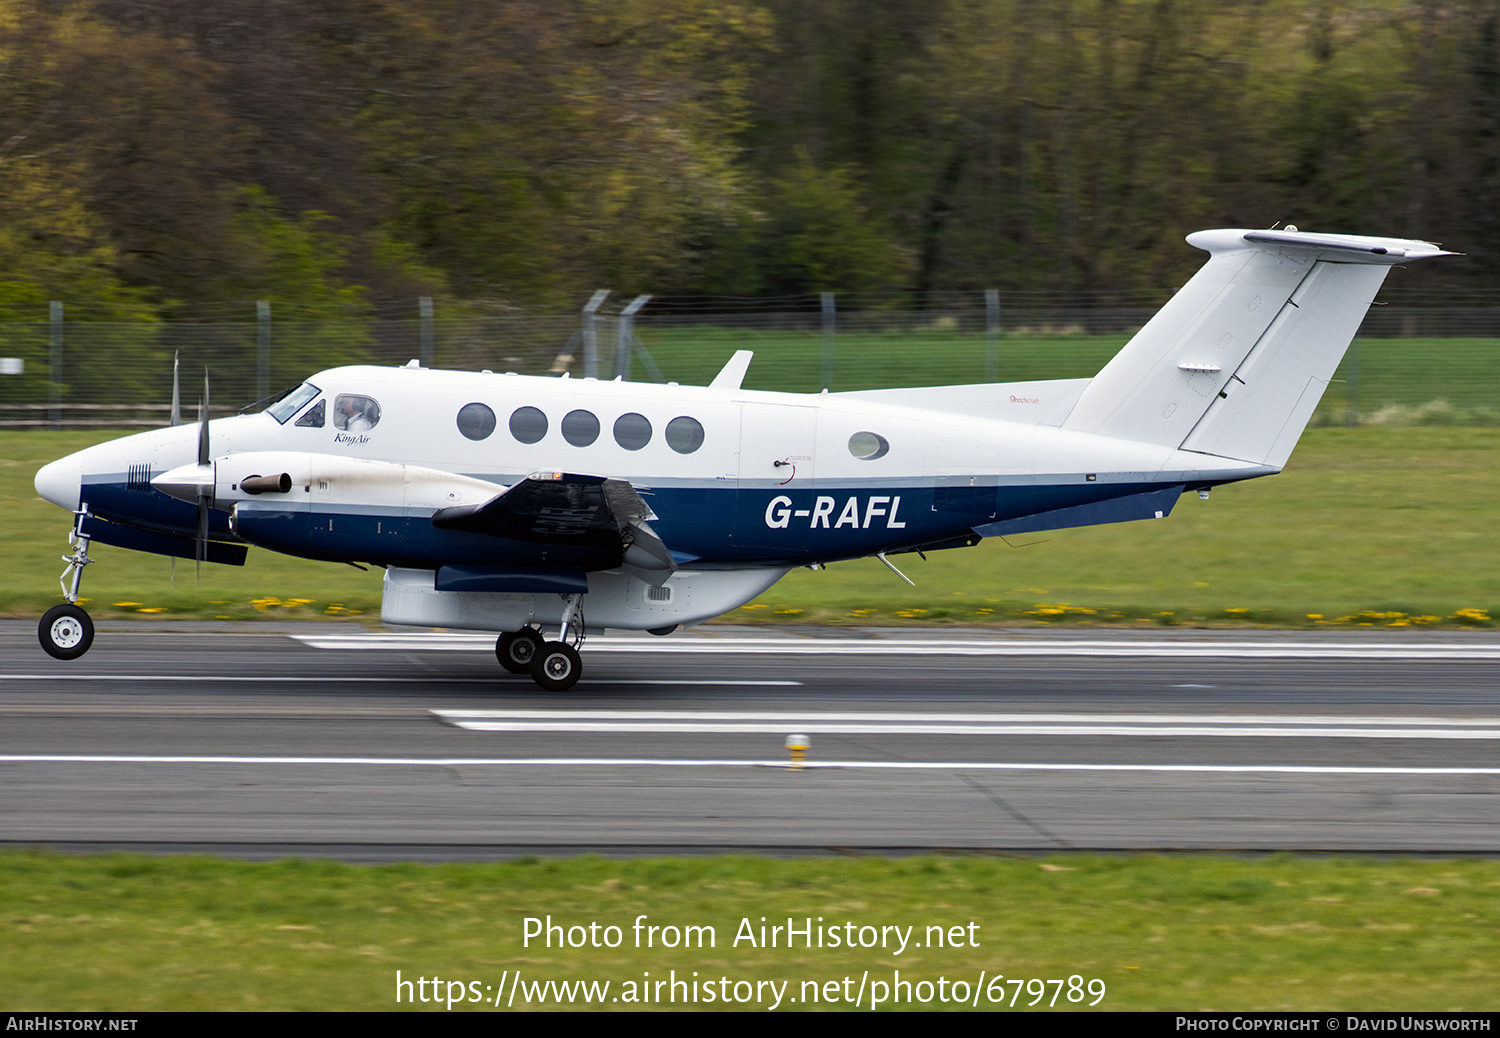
(65, 631)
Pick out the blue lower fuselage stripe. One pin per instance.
(722, 526)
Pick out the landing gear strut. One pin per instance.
(557, 666)
(65, 631)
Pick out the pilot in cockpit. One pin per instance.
(356, 413)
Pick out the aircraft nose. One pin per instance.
(59, 482)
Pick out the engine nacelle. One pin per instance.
(329, 480)
(323, 506)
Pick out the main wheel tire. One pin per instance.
(65, 632)
(516, 649)
(556, 667)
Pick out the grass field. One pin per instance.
(1162, 933)
(1396, 522)
(1387, 381)
(1384, 525)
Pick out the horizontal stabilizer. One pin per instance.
(1347, 248)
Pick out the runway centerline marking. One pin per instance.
(453, 762)
(444, 641)
(726, 722)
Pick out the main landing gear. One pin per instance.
(555, 666)
(516, 649)
(66, 632)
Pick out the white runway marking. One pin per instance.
(448, 641)
(885, 723)
(455, 762)
(316, 680)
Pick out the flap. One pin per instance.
(552, 508)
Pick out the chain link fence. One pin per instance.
(1410, 364)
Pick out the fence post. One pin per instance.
(424, 307)
(625, 338)
(992, 335)
(55, 364)
(591, 335)
(263, 349)
(829, 320)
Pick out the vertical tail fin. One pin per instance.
(1235, 363)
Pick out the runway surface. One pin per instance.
(266, 740)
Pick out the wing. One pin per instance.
(567, 509)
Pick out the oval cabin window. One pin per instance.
(580, 428)
(632, 431)
(684, 435)
(867, 446)
(476, 421)
(528, 424)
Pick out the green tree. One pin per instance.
(294, 264)
(819, 236)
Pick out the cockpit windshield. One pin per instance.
(290, 404)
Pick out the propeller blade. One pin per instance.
(176, 395)
(202, 552)
(203, 456)
(201, 542)
(205, 494)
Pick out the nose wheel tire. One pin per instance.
(66, 632)
(556, 667)
(516, 649)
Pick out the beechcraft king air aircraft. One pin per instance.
(517, 505)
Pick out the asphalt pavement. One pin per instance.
(333, 740)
